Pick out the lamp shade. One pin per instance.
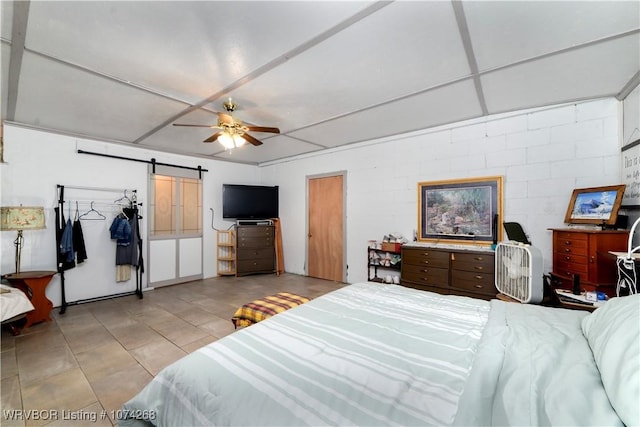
(22, 218)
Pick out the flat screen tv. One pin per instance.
(249, 201)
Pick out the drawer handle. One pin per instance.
(426, 262)
(424, 271)
(567, 258)
(478, 258)
(479, 267)
(479, 286)
(567, 242)
(567, 250)
(479, 278)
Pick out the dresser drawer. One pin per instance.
(479, 263)
(255, 242)
(255, 253)
(569, 258)
(255, 265)
(570, 246)
(425, 257)
(570, 235)
(568, 264)
(425, 275)
(472, 281)
(253, 231)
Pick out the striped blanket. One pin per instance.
(366, 354)
(374, 354)
(263, 308)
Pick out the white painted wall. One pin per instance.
(37, 161)
(543, 156)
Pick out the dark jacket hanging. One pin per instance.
(63, 263)
(78, 242)
(132, 253)
(66, 243)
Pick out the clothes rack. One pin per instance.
(132, 207)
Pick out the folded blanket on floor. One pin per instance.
(266, 307)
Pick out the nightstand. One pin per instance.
(34, 284)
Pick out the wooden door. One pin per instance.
(325, 246)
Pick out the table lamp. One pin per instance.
(21, 218)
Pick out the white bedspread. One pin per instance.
(367, 354)
(13, 303)
(371, 354)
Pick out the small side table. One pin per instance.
(34, 284)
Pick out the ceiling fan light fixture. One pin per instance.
(239, 140)
(232, 133)
(226, 140)
(231, 140)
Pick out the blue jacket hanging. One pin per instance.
(121, 230)
(66, 242)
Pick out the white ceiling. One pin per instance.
(327, 73)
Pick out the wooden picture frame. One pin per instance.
(595, 205)
(466, 211)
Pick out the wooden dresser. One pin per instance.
(447, 270)
(586, 253)
(255, 252)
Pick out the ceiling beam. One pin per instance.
(108, 76)
(463, 28)
(271, 65)
(633, 83)
(18, 36)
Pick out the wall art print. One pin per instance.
(460, 211)
(595, 205)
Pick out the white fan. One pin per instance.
(519, 272)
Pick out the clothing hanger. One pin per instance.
(90, 211)
(122, 212)
(125, 197)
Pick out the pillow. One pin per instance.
(613, 333)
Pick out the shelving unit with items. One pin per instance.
(227, 253)
(384, 259)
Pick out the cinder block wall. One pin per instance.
(542, 155)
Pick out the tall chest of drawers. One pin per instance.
(585, 253)
(255, 252)
(449, 271)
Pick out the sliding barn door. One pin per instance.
(325, 244)
(175, 228)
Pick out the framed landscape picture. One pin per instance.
(460, 211)
(595, 205)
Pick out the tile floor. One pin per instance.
(86, 363)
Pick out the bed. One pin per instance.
(14, 305)
(375, 354)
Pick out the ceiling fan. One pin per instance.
(232, 133)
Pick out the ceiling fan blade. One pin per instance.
(213, 137)
(251, 139)
(263, 129)
(225, 118)
(195, 126)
